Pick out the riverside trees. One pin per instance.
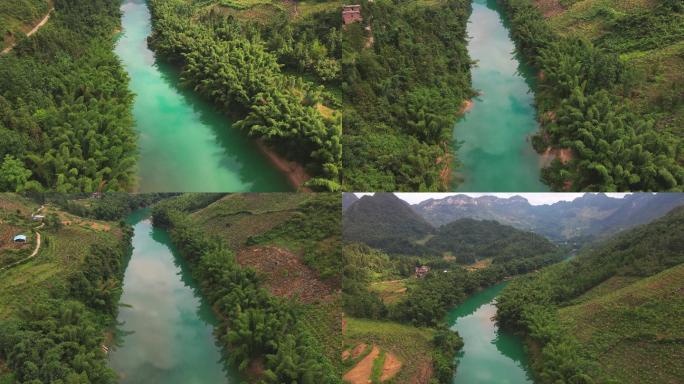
(233, 68)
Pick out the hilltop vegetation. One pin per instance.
(585, 97)
(65, 107)
(55, 307)
(384, 221)
(284, 335)
(612, 311)
(275, 76)
(404, 80)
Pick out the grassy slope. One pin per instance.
(237, 217)
(413, 346)
(660, 67)
(19, 16)
(633, 328)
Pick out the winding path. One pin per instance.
(35, 251)
(31, 32)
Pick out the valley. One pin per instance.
(487, 302)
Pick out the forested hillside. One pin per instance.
(65, 109)
(56, 306)
(613, 312)
(604, 92)
(276, 69)
(269, 265)
(469, 240)
(406, 73)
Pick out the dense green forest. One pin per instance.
(245, 67)
(256, 325)
(55, 309)
(65, 108)
(583, 98)
(626, 290)
(405, 77)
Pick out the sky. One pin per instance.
(533, 198)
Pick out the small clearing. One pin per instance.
(284, 273)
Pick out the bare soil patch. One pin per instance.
(295, 172)
(549, 8)
(284, 273)
(391, 366)
(361, 372)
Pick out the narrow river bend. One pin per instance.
(489, 355)
(496, 153)
(165, 328)
(185, 144)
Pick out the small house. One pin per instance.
(20, 238)
(422, 271)
(37, 217)
(351, 14)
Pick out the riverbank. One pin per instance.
(295, 172)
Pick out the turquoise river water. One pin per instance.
(165, 328)
(496, 153)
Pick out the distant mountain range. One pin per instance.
(386, 222)
(590, 216)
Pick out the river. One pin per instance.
(489, 355)
(165, 328)
(496, 152)
(185, 144)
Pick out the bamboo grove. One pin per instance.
(65, 107)
(235, 69)
(582, 107)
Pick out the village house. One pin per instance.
(351, 14)
(20, 238)
(422, 271)
(37, 217)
